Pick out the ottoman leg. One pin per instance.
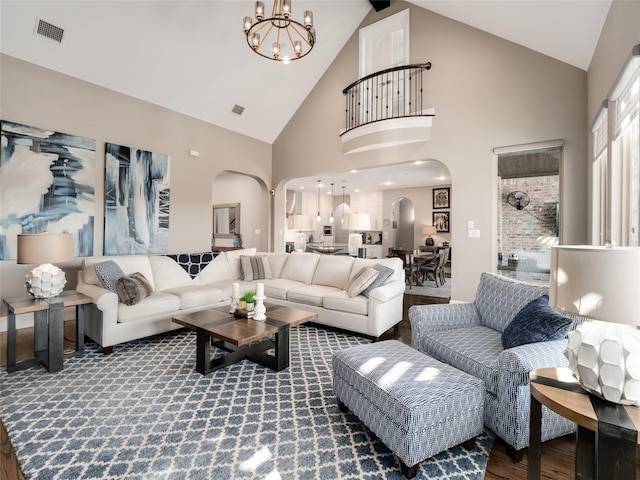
(469, 444)
(408, 472)
(343, 408)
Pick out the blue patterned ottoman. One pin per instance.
(416, 405)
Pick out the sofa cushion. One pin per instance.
(108, 273)
(499, 299)
(279, 287)
(217, 271)
(310, 294)
(158, 303)
(233, 257)
(133, 288)
(255, 267)
(384, 274)
(536, 322)
(333, 271)
(474, 350)
(300, 267)
(197, 295)
(168, 273)
(361, 281)
(342, 302)
(277, 262)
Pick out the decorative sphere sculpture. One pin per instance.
(605, 357)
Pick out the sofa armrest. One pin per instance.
(428, 319)
(102, 297)
(386, 292)
(443, 316)
(516, 363)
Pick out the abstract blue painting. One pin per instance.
(136, 193)
(47, 182)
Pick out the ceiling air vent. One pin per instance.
(48, 30)
(237, 109)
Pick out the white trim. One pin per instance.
(528, 146)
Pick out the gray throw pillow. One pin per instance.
(133, 288)
(381, 279)
(362, 280)
(108, 273)
(536, 322)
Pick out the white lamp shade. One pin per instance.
(360, 221)
(45, 248)
(429, 230)
(596, 282)
(301, 222)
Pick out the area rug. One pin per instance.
(144, 413)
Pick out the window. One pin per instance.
(616, 167)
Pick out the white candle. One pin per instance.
(235, 289)
(260, 290)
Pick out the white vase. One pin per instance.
(605, 357)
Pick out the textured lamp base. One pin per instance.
(45, 281)
(605, 358)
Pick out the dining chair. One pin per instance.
(433, 271)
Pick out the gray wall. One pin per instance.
(487, 93)
(37, 96)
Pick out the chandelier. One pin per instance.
(279, 37)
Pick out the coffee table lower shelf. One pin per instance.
(243, 338)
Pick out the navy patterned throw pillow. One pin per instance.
(108, 273)
(536, 322)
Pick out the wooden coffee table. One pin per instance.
(243, 338)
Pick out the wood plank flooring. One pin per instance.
(557, 455)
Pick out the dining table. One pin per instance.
(413, 260)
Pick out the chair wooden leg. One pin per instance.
(407, 471)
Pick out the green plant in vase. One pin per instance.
(249, 299)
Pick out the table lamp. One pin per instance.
(357, 222)
(45, 280)
(300, 222)
(601, 284)
(429, 230)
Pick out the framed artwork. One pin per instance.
(441, 221)
(47, 183)
(441, 198)
(136, 196)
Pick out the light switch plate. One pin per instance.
(474, 233)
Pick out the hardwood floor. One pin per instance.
(557, 455)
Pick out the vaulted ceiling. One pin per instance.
(192, 57)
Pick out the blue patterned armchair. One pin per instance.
(468, 337)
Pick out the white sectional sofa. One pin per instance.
(308, 281)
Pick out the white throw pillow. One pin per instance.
(168, 273)
(217, 271)
(361, 281)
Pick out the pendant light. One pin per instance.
(318, 217)
(331, 209)
(343, 205)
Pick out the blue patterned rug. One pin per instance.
(144, 413)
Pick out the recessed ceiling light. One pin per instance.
(301, 188)
(419, 162)
(354, 171)
(356, 190)
(442, 178)
(388, 183)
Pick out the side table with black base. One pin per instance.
(607, 432)
(48, 329)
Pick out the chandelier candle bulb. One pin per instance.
(259, 10)
(308, 19)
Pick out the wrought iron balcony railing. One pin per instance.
(392, 93)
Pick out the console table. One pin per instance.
(48, 328)
(607, 432)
